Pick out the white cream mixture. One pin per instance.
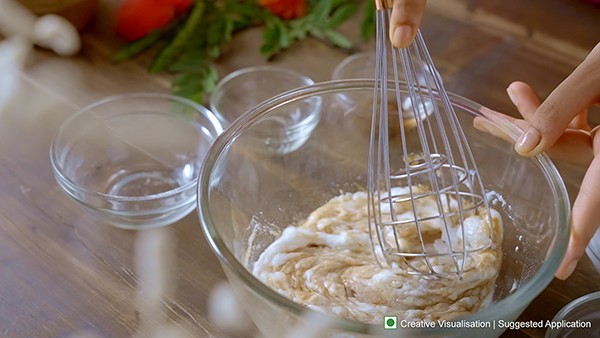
(327, 264)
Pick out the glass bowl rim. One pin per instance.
(63, 180)
(349, 60)
(567, 310)
(575, 304)
(535, 285)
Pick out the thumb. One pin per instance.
(577, 92)
(406, 19)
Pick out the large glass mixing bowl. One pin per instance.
(247, 196)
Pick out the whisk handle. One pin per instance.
(383, 4)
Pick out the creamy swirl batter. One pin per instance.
(327, 264)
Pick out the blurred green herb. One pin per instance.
(188, 47)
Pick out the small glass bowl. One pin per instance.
(362, 66)
(578, 319)
(134, 159)
(356, 66)
(245, 88)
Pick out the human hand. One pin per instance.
(406, 19)
(559, 125)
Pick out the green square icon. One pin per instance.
(390, 322)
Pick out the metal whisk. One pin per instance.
(423, 183)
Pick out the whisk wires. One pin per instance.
(441, 168)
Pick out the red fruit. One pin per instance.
(285, 9)
(137, 18)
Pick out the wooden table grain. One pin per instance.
(63, 272)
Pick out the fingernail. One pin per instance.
(402, 36)
(528, 140)
(512, 96)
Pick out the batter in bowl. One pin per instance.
(327, 264)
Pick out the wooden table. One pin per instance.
(63, 272)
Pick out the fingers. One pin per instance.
(527, 102)
(524, 98)
(586, 216)
(406, 19)
(581, 121)
(578, 91)
(573, 146)
(490, 123)
(482, 124)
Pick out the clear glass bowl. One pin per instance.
(133, 160)
(244, 89)
(357, 66)
(578, 319)
(247, 198)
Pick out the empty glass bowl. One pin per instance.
(279, 133)
(578, 319)
(362, 66)
(246, 199)
(134, 159)
(357, 66)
